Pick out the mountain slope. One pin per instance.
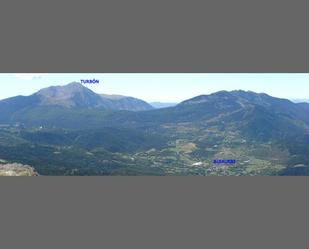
(119, 102)
(11, 105)
(76, 95)
(63, 100)
(244, 99)
(71, 95)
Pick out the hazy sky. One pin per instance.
(163, 87)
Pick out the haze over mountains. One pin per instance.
(159, 105)
(300, 100)
(266, 135)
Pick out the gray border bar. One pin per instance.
(153, 212)
(154, 36)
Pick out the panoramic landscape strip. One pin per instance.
(154, 124)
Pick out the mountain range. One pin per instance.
(123, 135)
(74, 95)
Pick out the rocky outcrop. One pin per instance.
(16, 169)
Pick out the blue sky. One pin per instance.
(163, 87)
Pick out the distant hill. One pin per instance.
(159, 105)
(73, 96)
(76, 95)
(243, 100)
